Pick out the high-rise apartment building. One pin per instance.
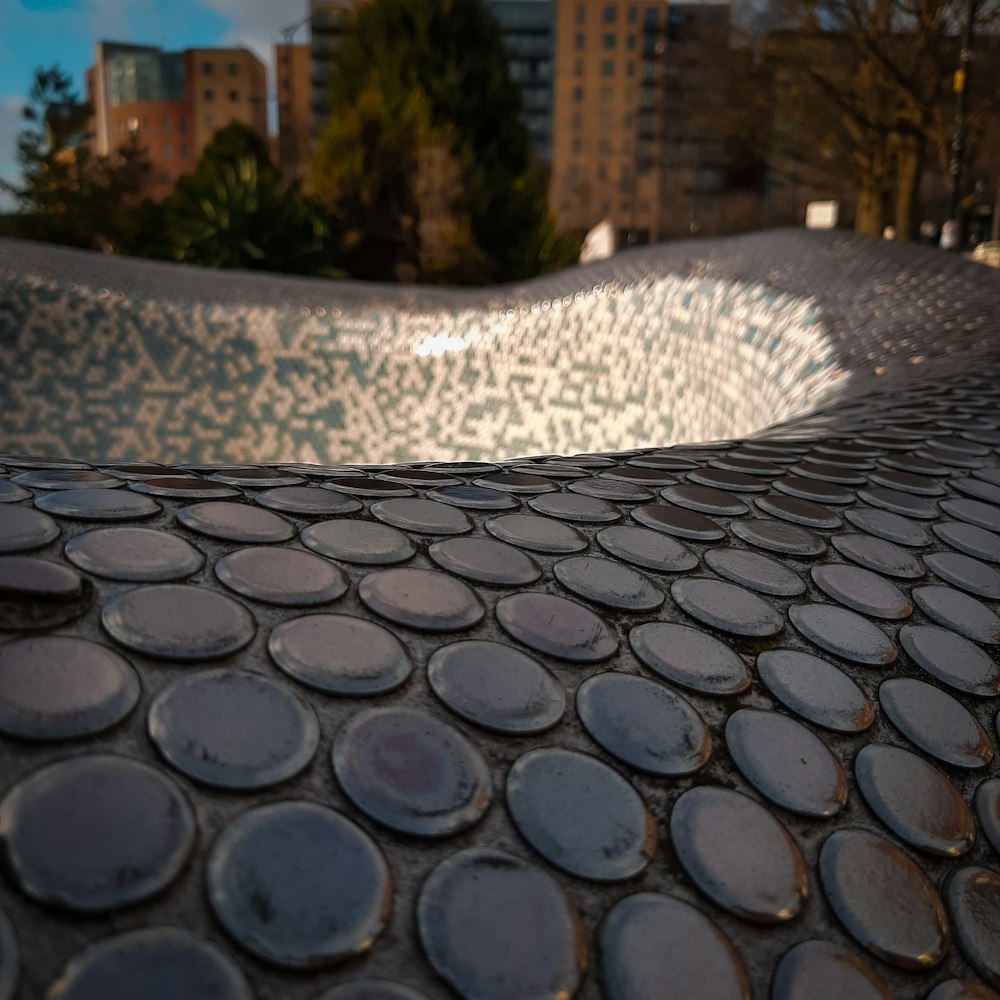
(292, 66)
(327, 20)
(528, 28)
(637, 138)
(172, 102)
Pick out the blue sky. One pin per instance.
(37, 33)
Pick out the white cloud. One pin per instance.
(258, 24)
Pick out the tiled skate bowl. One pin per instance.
(714, 720)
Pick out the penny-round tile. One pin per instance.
(823, 969)
(739, 854)
(959, 612)
(495, 927)
(843, 633)
(679, 522)
(886, 525)
(653, 945)
(185, 488)
(914, 800)
(11, 492)
(961, 989)
(726, 607)
(983, 515)
(67, 479)
(306, 501)
(970, 540)
(485, 560)
(815, 690)
(805, 512)
(951, 658)
(609, 583)
(371, 989)
(646, 548)
(935, 722)
(133, 553)
(299, 885)
(98, 505)
(421, 599)
(886, 903)
(96, 832)
(973, 898)
(778, 536)
(428, 517)
(756, 571)
(878, 555)
(575, 508)
(689, 657)
(178, 622)
(340, 655)
(580, 814)
(411, 772)
(159, 963)
(786, 762)
(966, 573)
(281, 576)
(473, 497)
(233, 729)
(56, 687)
(861, 590)
(23, 529)
(496, 687)
(235, 522)
(644, 724)
(537, 533)
(556, 626)
(988, 811)
(365, 542)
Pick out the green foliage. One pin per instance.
(423, 86)
(67, 195)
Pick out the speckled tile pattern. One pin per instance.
(714, 720)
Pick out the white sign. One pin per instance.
(822, 214)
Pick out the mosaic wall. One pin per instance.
(707, 722)
(620, 364)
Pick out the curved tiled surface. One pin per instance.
(717, 719)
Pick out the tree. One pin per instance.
(235, 212)
(420, 89)
(67, 194)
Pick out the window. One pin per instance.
(605, 146)
(232, 69)
(608, 68)
(626, 173)
(577, 146)
(608, 41)
(606, 94)
(581, 13)
(602, 173)
(578, 94)
(207, 68)
(627, 148)
(581, 41)
(605, 119)
(165, 124)
(630, 68)
(631, 41)
(652, 17)
(633, 15)
(209, 95)
(628, 121)
(284, 58)
(234, 95)
(610, 15)
(578, 68)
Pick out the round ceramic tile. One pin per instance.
(67, 479)
(178, 622)
(899, 503)
(811, 468)
(609, 583)
(815, 690)
(777, 536)
(485, 560)
(134, 554)
(879, 556)
(580, 815)
(967, 538)
(371, 989)
(646, 548)
(677, 521)
(644, 724)
(786, 762)
(411, 772)
(281, 576)
(886, 525)
(726, 607)
(575, 508)
(11, 492)
(98, 505)
(813, 489)
(966, 573)
(159, 963)
(536, 533)
(516, 482)
(10, 958)
(973, 897)
(181, 488)
(255, 477)
(235, 522)
(823, 969)
(421, 599)
(56, 687)
(426, 517)
(861, 590)
(843, 633)
(959, 612)
(787, 508)
(883, 899)
(299, 885)
(473, 497)
(340, 655)
(23, 529)
(418, 478)
(739, 855)
(557, 626)
(495, 927)
(983, 515)
(653, 946)
(689, 657)
(364, 542)
(610, 489)
(365, 486)
(40, 593)
(233, 729)
(496, 687)
(952, 659)
(961, 989)
(725, 479)
(95, 832)
(306, 501)
(988, 811)
(705, 499)
(753, 570)
(935, 722)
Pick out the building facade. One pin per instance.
(292, 67)
(528, 28)
(172, 103)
